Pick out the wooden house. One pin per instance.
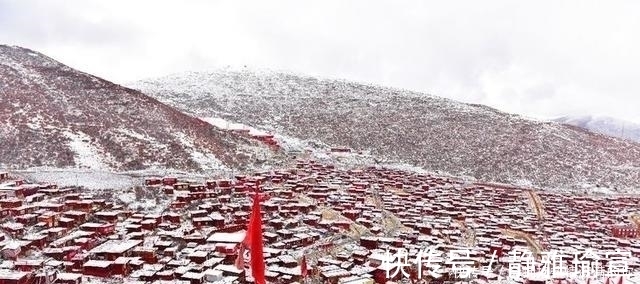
(103, 229)
(28, 264)
(22, 210)
(77, 217)
(54, 207)
(178, 204)
(197, 188)
(153, 181)
(27, 219)
(210, 184)
(113, 249)
(625, 231)
(13, 191)
(108, 216)
(37, 241)
(125, 265)
(165, 275)
(148, 255)
(15, 277)
(14, 229)
(99, 268)
(69, 278)
(181, 186)
(172, 217)
(198, 256)
(224, 183)
(170, 181)
(193, 277)
(231, 270)
(9, 203)
(200, 222)
(369, 242)
(167, 190)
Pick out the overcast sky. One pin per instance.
(540, 59)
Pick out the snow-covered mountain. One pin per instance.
(605, 125)
(52, 115)
(404, 126)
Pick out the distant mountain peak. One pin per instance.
(604, 125)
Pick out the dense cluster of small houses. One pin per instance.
(67, 235)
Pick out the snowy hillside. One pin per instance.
(52, 115)
(605, 125)
(403, 126)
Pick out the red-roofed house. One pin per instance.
(625, 231)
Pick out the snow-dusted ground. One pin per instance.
(315, 150)
(400, 126)
(91, 179)
(59, 117)
(100, 179)
(207, 161)
(229, 125)
(288, 143)
(86, 154)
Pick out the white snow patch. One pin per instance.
(293, 144)
(287, 143)
(97, 179)
(33, 126)
(26, 73)
(229, 125)
(127, 198)
(148, 205)
(35, 122)
(137, 135)
(597, 190)
(87, 155)
(90, 179)
(421, 170)
(524, 183)
(7, 130)
(207, 161)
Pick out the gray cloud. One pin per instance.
(541, 58)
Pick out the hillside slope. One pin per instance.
(605, 125)
(52, 115)
(398, 125)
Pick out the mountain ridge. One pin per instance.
(53, 115)
(400, 125)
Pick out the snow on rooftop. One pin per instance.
(220, 237)
(193, 275)
(98, 263)
(116, 246)
(139, 136)
(12, 275)
(228, 268)
(10, 184)
(68, 276)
